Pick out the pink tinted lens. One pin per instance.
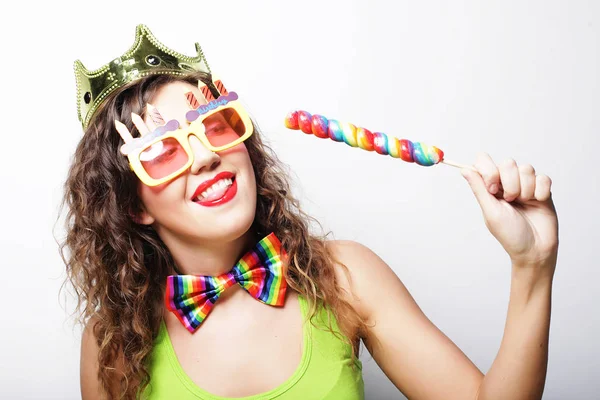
(224, 127)
(164, 158)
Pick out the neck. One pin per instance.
(208, 257)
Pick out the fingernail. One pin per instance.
(493, 188)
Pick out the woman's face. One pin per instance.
(173, 208)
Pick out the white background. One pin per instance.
(513, 78)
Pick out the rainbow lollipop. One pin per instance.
(383, 144)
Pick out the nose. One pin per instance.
(203, 157)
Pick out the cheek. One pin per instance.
(244, 161)
(161, 197)
(238, 155)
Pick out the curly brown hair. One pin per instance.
(118, 267)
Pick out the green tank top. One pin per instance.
(325, 369)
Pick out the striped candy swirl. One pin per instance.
(354, 136)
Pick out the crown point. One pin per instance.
(146, 56)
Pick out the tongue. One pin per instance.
(216, 194)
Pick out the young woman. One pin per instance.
(174, 202)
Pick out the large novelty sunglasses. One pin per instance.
(159, 156)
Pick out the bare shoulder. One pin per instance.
(368, 279)
(406, 345)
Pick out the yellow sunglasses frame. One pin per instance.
(197, 129)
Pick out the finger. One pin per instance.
(488, 170)
(509, 176)
(485, 199)
(527, 176)
(543, 183)
(139, 124)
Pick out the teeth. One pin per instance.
(222, 183)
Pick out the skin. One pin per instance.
(416, 356)
(202, 240)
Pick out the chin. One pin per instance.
(226, 226)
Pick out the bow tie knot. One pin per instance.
(259, 272)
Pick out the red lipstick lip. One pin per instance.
(228, 195)
(204, 185)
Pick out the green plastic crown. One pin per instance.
(147, 56)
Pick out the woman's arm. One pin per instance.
(88, 367)
(91, 388)
(416, 356)
(519, 370)
(424, 363)
(518, 210)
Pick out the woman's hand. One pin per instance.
(518, 210)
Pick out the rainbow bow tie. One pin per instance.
(259, 272)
